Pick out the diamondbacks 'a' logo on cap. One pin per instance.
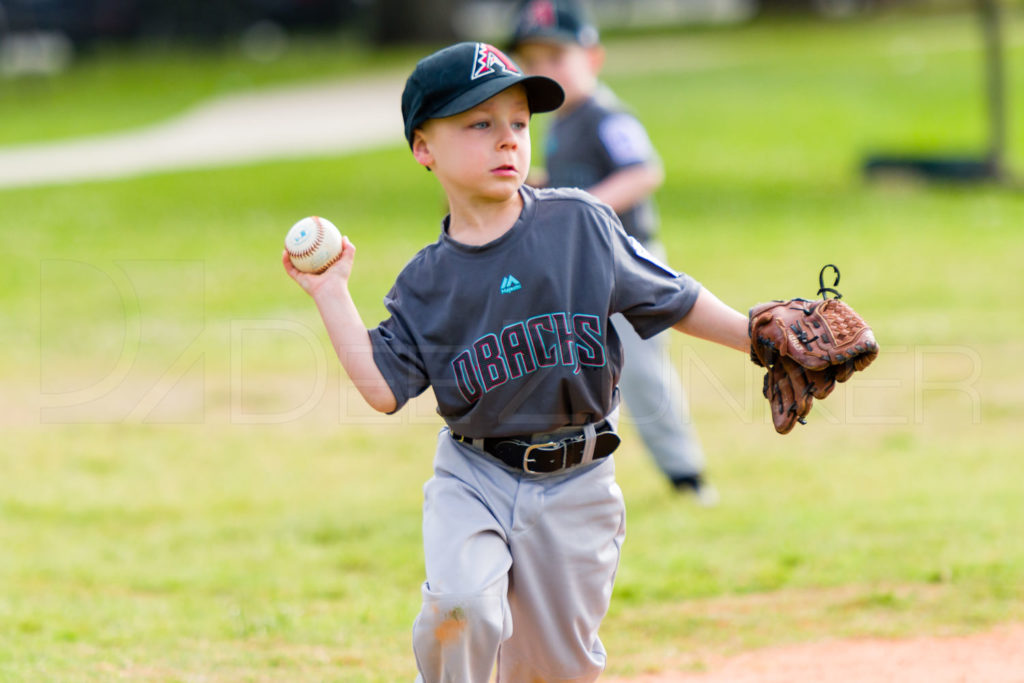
(488, 58)
(540, 13)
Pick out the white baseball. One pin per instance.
(313, 244)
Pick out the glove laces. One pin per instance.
(822, 289)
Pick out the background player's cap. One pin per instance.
(563, 21)
(461, 76)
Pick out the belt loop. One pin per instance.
(478, 444)
(590, 437)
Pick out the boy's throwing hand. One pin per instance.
(311, 282)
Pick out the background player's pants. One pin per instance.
(656, 402)
(519, 568)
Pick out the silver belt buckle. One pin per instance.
(548, 446)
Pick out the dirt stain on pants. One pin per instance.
(452, 627)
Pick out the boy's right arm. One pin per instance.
(348, 334)
(627, 187)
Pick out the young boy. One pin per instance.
(594, 143)
(506, 317)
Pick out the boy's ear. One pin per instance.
(595, 53)
(421, 150)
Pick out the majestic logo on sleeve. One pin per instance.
(524, 347)
(488, 58)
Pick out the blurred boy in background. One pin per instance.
(595, 144)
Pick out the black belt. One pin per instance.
(549, 456)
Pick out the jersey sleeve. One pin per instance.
(397, 354)
(650, 294)
(625, 140)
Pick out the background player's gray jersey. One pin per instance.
(513, 335)
(594, 140)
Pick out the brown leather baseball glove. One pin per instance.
(807, 346)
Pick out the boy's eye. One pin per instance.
(479, 125)
(519, 125)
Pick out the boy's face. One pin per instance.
(573, 66)
(482, 153)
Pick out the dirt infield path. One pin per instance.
(287, 122)
(993, 657)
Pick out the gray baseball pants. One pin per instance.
(519, 569)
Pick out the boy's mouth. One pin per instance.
(504, 169)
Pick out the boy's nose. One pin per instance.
(508, 137)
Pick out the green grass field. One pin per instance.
(189, 490)
(119, 87)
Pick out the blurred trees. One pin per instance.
(83, 21)
(399, 21)
(381, 21)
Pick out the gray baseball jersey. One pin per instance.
(513, 335)
(594, 140)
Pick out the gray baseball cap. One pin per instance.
(461, 76)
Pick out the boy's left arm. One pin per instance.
(629, 186)
(784, 331)
(713, 320)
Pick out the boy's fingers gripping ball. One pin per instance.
(313, 244)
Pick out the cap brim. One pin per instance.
(542, 93)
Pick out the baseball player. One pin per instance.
(594, 143)
(506, 318)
